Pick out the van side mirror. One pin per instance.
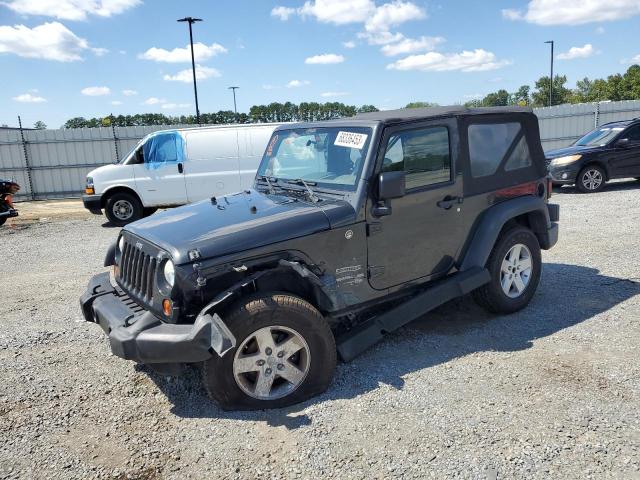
(391, 185)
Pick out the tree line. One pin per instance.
(274, 112)
(615, 87)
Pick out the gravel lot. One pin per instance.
(551, 392)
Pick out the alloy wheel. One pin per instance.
(592, 179)
(516, 270)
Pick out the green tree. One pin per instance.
(421, 105)
(40, 125)
(561, 94)
(630, 85)
(522, 96)
(367, 109)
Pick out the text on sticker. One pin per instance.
(351, 140)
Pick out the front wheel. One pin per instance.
(591, 179)
(515, 265)
(122, 208)
(285, 354)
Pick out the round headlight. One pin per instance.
(169, 273)
(121, 244)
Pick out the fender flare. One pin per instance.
(494, 219)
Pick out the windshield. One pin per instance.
(330, 157)
(131, 152)
(599, 137)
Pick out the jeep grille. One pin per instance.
(137, 271)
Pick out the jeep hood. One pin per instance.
(238, 222)
(573, 150)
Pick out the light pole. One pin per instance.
(551, 82)
(191, 21)
(235, 108)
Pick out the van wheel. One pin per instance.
(285, 353)
(591, 179)
(515, 265)
(122, 208)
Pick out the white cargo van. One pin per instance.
(174, 167)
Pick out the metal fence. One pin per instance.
(54, 163)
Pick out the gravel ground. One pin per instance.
(550, 392)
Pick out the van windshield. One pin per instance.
(128, 156)
(331, 157)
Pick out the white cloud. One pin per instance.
(577, 52)
(349, 44)
(116, 103)
(324, 59)
(283, 13)
(153, 101)
(100, 52)
(129, 93)
(338, 12)
(201, 53)
(28, 98)
(635, 60)
(49, 41)
(186, 76)
(70, 9)
(409, 45)
(95, 91)
(269, 87)
(393, 14)
(122, 52)
(468, 61)
(600, 30)
(574, 12)
(334, 94)
(381, 38)
(175, 106)
(297, 83)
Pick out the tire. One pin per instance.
(148, 211)
(591, 179)
(122, 208)
(2, 220)
(493, 296)
(3, 208)
(300, 326)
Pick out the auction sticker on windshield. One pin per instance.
(351, 140)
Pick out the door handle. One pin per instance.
(180, 168)
(448, 202)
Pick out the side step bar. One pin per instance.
(357, 340)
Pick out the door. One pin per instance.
(252, 142)
(625, 156)
(211, 167)
(159, 174)
(420, 238)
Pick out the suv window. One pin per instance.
(424, 154)
(490, 143)
(633, 134)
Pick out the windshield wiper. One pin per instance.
(302, 183)
(272, 190)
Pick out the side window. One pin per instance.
(490, 143)
(161, 149)
(633, 134)
(424, 155)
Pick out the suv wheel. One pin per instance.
(285, 354)
(591, 179)
(122, 208)
(515, 265)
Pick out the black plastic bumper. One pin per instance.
(141, 336)
(93, 203)
(564, 175)
(12, 212)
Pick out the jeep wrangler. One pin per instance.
(353, 228)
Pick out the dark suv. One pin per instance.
(353, 228)
(608, 152)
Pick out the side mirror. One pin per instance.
(391, 185)
(622, 143)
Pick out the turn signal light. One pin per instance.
(166, 307)
(90, 191)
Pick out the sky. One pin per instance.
(65, 58)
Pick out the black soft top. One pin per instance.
(391, 117)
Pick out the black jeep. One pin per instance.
(353, 228)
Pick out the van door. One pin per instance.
(211, 166)
(159, 175)
(252, 143)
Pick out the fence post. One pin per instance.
(597, 115)
(26, 159)
(115, 138)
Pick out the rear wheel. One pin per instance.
(285, 354)
(2, 220)
(591, 179)
(122, 208)
(515, 265)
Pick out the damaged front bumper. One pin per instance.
(137, 334)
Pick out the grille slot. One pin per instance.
(137, 272)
